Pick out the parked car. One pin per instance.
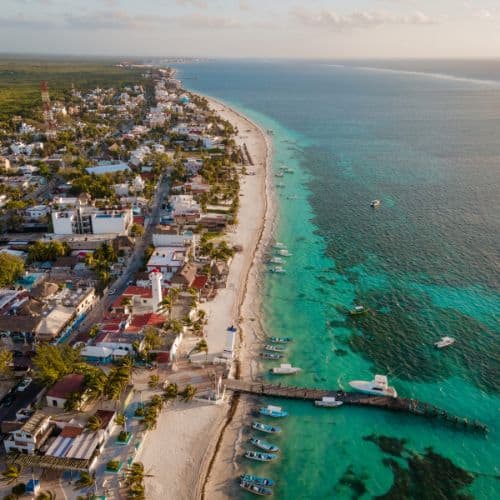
(112, 291)
(24, 384)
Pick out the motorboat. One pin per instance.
(278, 244)
(284, 252)
(259, 481)
(256, 489)
(375, 203)
(264, 445)
(270, 429)
(358, 311)
(271, 355)
(281, 340)
(273, 411)
(280, 185)
(279, 174)
(275, 348)
(444, 342)
(284, 369)
(278, 269)
(260, 456)
(276, 260)
(379, 386)
(328, 402)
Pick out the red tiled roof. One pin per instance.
(71, 431)
(200, 282)
(66, 386)
(105, 416)
(139, 219)
(139, 321)
(139, 291)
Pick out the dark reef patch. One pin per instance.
(389, 445)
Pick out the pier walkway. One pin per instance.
(412, 406)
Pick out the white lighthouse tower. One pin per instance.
(156, 278)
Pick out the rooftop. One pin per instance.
(67, 385)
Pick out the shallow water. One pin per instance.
(425, 263)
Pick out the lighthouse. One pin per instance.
(156, 278)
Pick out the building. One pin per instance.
(37, 212)
(31, 436)
(4, 163)
(156, 279)
(168, 260)
(62, 390)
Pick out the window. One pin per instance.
(54, 402)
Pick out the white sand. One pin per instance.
(180, 450)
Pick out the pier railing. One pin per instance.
(406, 405)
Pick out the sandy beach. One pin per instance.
(187, 454)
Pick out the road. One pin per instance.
(134, 264)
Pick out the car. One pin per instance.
(130, 282)
(24, 384)
(8, 400)
(112, 291)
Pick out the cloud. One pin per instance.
(202, 21)
(483, 14)
(244, 5)
(332, 20)
(116, 19)
(20, 21)
(200, 4)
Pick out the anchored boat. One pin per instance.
(375, 203)
(379, 386)
(277, 269)
(275, 348)
(264, 445)
(281, 340)
(284, 252)
(270, 429)
(358, 311)
(285, 369)
(328, 402)
(444, 342)
(256, 489)
(271, 355)
(273, 411)
(260, 456)
(259, 481)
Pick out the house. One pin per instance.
(37, 212)
(168, 260)
(62, 390)
(185, 276)
(52, 325)
(31, 436)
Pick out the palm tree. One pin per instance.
(85, 481)
(188, 393)
(94, 423)
(11, 473)
(171, 391)
(154, 380)
(202, 346)
(46, 495)
(120, 419)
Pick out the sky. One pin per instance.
(334, 29)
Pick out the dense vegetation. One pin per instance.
(11, 268)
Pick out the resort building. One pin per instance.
(31, 436)
(168, 260)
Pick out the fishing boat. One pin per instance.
(444, 342)
(279, 174)
(284, 369)
(259, 481)
(379, 386)
(271, 355)
(270, 429)
(281, 340)
(358, 311)
(278, 244)
(375, 203)
(328, 402)
(288, 170)
(260, 456)
(273, 411)
(264, 445)
(276, 260)
(280, 185)
(256, 489)
(277, 269)
(284, 252)
(275, 348)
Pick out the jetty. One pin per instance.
(404, 405)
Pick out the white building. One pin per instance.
(36, 212)
(31, 436)
(168, 260)
(156, 287)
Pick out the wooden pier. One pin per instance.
(412, 406)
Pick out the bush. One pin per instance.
(113, 465)
(19, 489)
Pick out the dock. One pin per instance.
(403, 405)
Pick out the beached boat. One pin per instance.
(258, 480)
(273, 411)
(264, 445)
(277, 269)
(260, 456)
(281, 340)
(284, 369)
(275, 348)
(358, 311)
(328, 402)
(270, 429)
(379, 386)
(271, 355)
(284, 252)
(444, 342)
(256, 489)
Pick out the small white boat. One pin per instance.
(444, 342)
(277, 269)
(379, 386)
(328, 402)
(278, 244)
(276, 260)
(375, 203)
(284, 252)
(279, 174)
(285, 369)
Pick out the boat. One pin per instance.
(273, 411)
(259, 481)
(275, 348)
(264, 445)
(256, 489)
(276, 260)
(270, 429)
(444, 342)
(358, 311)
(260, 456)
(375, 203)
(281, 340)
(280, 185)
(288, 170)
(284, 252)
(284, 369)
(378, 386)
(328, 402)
(277, 269)
(278, 244)
(279, 174)
(271, 355)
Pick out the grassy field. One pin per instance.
(20, 80)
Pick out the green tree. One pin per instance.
(19, 489)
(84, 481)
(188, 393)
(94, 423)
(171, 391)
(11, 268)
(46, 495)
(52, 362)
(11, 473)
(153, 382)
(136, 230)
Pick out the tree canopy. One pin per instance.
(11, 268)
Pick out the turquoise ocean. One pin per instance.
(424, 138)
